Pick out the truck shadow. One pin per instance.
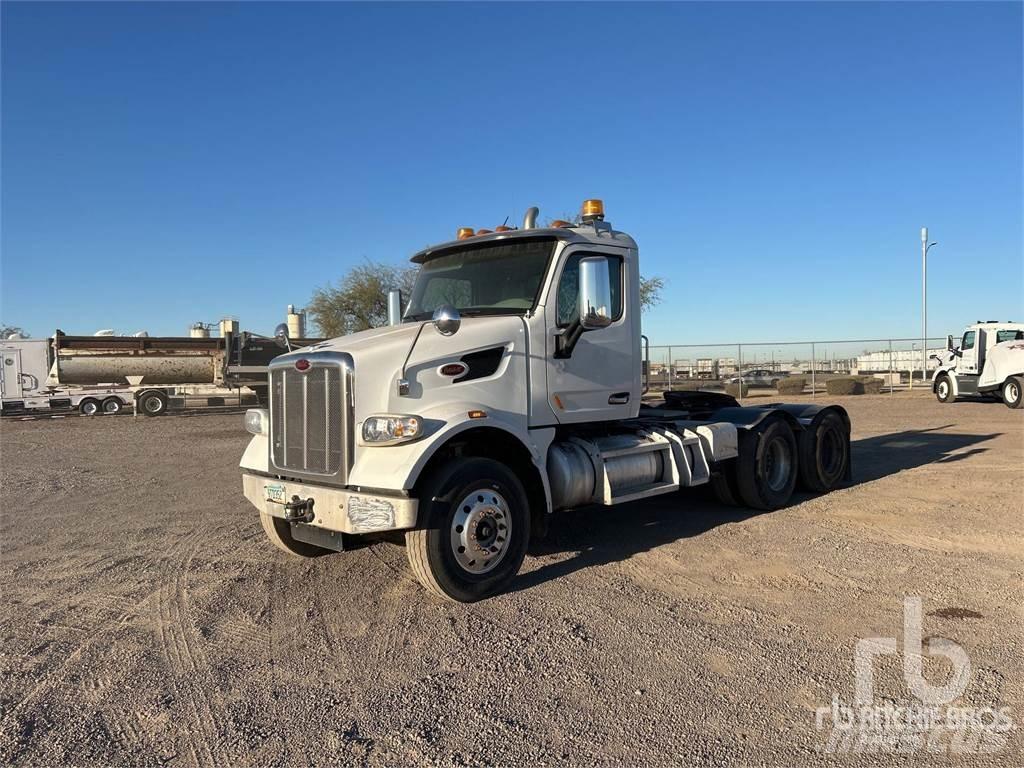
(601, 535)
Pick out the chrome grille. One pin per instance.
(310, 418)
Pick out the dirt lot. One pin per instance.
(147, 621)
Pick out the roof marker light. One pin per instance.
(593, 209)
(463, 232)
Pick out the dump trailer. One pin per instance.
(103, 374)
(511, 388)
(988, 362)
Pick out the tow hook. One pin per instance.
(299, 510)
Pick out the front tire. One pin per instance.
(1013, 392)
(280, 534)
(475, 527)
(944, 389)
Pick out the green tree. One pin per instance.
(7, 330)
(650, 291)
(360, 299)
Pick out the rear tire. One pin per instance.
(944, 389)
(89, 407)
(112, 405)
(723, 483)
(475, 520)
(1013, 392)
(824, 454)
(280, 534)
(766, 470)
(153, 403)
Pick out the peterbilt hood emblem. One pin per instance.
(453, 370)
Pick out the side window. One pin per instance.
(568, 288)
(968, 342)
(1002, 336)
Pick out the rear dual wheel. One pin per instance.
(767, 465)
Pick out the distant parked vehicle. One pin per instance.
(760, 377)
(988, 362)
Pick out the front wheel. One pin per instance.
(944, 389)
(1013, 392)
(280, 534)
(475, 527)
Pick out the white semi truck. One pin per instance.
(511, 388)
(989, 361)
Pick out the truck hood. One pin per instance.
(379, 355)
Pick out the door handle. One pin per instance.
(619, 398)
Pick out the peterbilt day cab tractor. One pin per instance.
(510, 389)
(988, 362)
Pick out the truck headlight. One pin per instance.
(257, 421)
(391, 428)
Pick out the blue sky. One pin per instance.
(167, 163)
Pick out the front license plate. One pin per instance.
(275, 493)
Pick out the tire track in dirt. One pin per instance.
(182, 649)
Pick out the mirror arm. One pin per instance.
(567, 340)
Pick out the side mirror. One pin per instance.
(949, 343)
(281, 336)
(595, 296)
(447, 320)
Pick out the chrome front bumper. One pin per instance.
(333, 508)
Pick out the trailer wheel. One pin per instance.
(944, 389)
(1013, 392)
(153, 403)
(766, 469)
(824, 454)
(112, 405)
(280, 534)
(475, 521)
(89, 407)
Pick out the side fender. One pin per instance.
(398, 467)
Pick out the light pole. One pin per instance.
(925, 247)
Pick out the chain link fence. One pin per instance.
(900, 363)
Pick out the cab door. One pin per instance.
(601, 379)
(10, 375)
(968, 362)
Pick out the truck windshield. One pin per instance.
(501, 278)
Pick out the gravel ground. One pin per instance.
(147, 621)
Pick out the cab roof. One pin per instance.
(594, 233)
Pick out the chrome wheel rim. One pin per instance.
(153, 405)
(111, 407)
(89, 409)
(943, 389)
(481, 530)
(1012, 393)
(777, 464)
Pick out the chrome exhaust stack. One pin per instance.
(530, 219)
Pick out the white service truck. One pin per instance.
(988, 362)
(511, 388)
